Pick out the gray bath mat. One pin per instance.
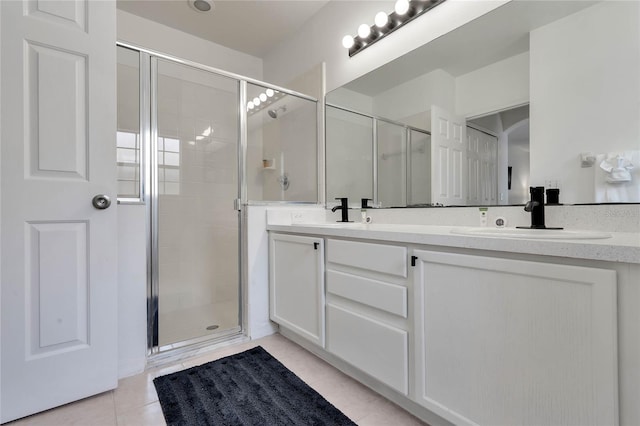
(249, 388)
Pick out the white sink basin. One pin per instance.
(553, 234)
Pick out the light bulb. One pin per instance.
(364, 30)
(347, 41)
(263, 97)
(401, 7)
(250, 105)
(270, 92)
(256, 101)
(381, 19)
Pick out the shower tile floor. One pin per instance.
(135, 401)
(188, 323)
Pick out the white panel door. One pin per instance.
(296, 284)
(59, 263)
(510, 342)
(448, 158)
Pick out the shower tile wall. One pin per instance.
(289, 138)
(198, 182)
(392, 164)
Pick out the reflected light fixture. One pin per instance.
(404, 12)
(265, 100)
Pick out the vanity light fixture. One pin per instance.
(404, 11)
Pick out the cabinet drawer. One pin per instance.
(378, 294)
(375, 348)
(383, 258)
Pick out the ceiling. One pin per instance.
(252, 27)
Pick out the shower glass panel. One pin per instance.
(392, 164)
(349, 151)
(195, 185)
(282, 146)
(419, 183)
(128, 135)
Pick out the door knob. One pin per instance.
(101, 202)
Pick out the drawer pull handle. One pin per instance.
(413, 260)
(315, 246)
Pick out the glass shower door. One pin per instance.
(194, 184)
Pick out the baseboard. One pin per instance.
(131, 367)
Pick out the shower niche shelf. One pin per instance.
(269, 164)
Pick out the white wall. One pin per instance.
(132, 290)
(501, 85)
(584, 94)
(257, 300)
(320, 38)
(495, 87)
(352, 100)
(152, 35)
(416, 97)
(520, 172)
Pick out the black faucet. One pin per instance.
(536, 207)
(344, 206)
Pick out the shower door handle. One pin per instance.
(101, 201)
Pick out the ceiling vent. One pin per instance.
(201, 5)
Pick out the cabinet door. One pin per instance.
(503, 341)
(296, 281)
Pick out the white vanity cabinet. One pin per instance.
(502, 341)
(296, 285)
(366, 286)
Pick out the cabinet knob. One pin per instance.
(315, 246)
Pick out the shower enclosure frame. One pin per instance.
(149, 193)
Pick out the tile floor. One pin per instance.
(135, 402)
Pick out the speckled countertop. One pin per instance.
(620, 247)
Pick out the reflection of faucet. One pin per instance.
(344, 206)
(536, 207)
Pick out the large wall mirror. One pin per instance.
(534, 93)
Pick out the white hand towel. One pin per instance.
(618, 168)
(617, 180)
